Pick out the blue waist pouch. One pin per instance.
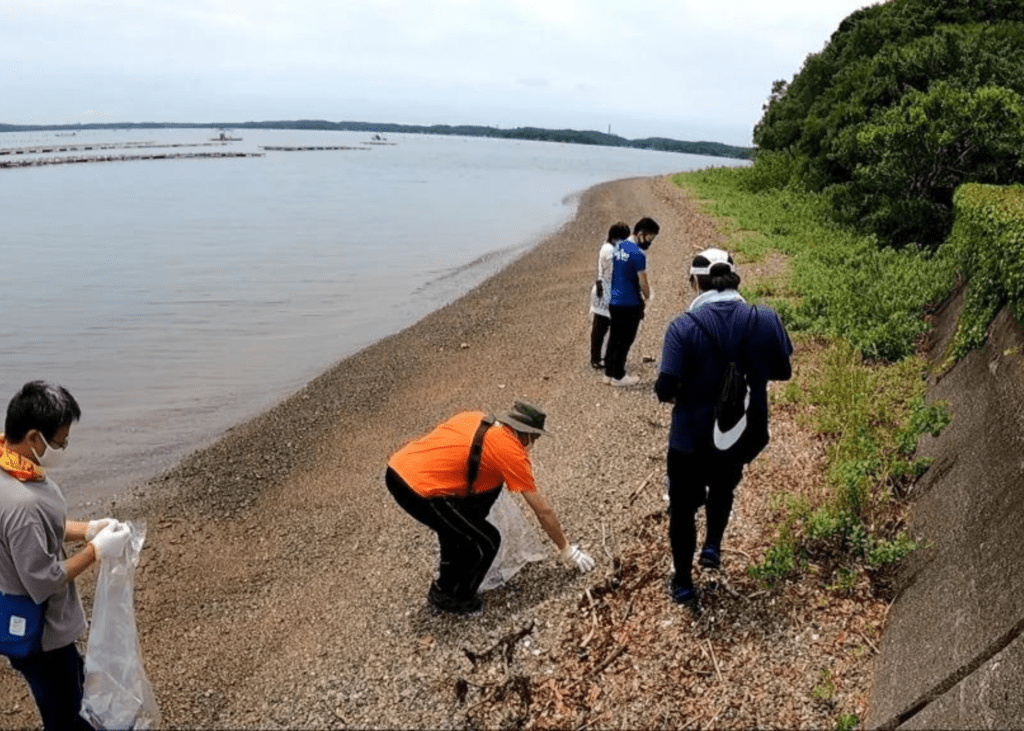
(21, 625)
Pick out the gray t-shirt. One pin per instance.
(32, 518)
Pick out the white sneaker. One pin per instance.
(607, 379)
(626, 380)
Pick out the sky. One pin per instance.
(684, 69)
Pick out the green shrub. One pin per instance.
(771, 171)
(987, 245)
(779, 562)
(886, 552)
(847, 722)
(824, 523)
(826, 689)
(924, 419)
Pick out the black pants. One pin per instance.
(625, 321)
(696, 479)
(597, 333)
(56, 678)
(468, 542)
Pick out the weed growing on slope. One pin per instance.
(841, 283)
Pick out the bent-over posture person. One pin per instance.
(449, 479)
(718, 325)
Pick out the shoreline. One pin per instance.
(379, 369)
(280, 586)
(283, 527)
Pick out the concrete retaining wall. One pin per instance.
(953, 655)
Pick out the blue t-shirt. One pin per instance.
(627, 263)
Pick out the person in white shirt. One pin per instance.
(601, 292)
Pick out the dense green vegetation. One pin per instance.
(988, 246)
(571, 136)
(909, 100)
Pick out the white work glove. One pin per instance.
(111, 540)
(573, 554)
(95, 526)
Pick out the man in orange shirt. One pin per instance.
(449, 479)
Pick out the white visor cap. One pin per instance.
(714, 256)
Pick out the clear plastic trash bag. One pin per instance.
(519, 542)
(117, 693)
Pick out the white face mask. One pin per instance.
(52, 457)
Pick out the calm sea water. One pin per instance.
(175, 298)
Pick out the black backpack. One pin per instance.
(738, 434)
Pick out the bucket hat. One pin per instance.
(525, 418)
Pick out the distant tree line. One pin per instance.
(663, 144)
(909, 100)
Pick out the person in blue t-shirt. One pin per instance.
(629, 293)
(718, 322)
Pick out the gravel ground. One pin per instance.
(280, 586)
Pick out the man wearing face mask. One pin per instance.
(644, 232)
(630, 293)
(35, 573)
(449, 479)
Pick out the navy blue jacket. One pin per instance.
(692, 368)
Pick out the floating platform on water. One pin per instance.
(304, 148)
(49, 149)
(68, 159)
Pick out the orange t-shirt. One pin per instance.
(435, 465)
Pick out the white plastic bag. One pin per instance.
(519, 542)
(117, 693)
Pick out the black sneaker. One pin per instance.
(709, 558)
(444, 603)
(688, 598)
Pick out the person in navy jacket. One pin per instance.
(718, 322)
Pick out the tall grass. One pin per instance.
(841, 283)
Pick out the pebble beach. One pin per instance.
(281, 587)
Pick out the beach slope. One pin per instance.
(281, 587)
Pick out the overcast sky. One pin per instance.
(685, 69)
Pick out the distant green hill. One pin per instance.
(663, 144)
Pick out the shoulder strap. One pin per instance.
(476, 450)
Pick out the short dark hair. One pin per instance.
(721, 277)
(39, 405)
(618, 232)
(647, 225)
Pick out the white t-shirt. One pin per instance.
(599, 305)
